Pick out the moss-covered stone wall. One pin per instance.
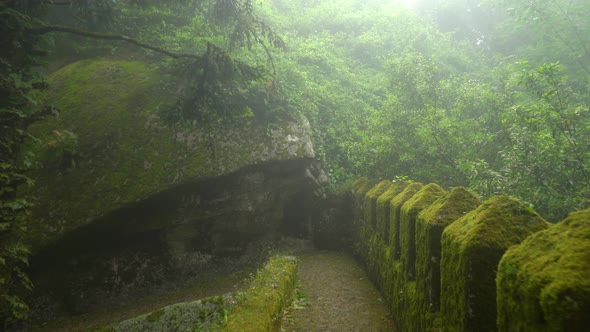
(543, 284)
(258, 309)
(435, 255)
(262, 304)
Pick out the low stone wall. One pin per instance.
(266, 298)
(434, 254)
(257, 310)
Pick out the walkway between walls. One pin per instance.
(337, 297)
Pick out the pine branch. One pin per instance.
(56, 28)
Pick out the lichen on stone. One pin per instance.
(543, 284)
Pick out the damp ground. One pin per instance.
(335, 295)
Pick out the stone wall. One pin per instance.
(434, 254)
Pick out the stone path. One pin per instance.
(337, 297)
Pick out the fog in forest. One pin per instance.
(171, 165)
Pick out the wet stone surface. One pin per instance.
(339, 297)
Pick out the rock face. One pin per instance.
(125, 153)
(126, 199)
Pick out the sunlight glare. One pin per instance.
(410, 4)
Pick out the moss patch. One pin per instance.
(395, 215)
(359, 222)
(263, 302)
(371, 202)
(471, 249)
(383, 209)
(203, 315)
(430, 224)
(544, 283)
(124, 152)
(409, 211)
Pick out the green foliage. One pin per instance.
(544, 158)
(15, 60)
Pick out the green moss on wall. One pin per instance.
(125, 152)
(430, 224)
(359, 221)
(471, 249)
(383, 209)
(266, 297)
(409, 211)
(543, 284)
(358, 183)
(395, 215)
(379, 252)
(371, 202)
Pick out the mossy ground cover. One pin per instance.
(471, 249)
(543, 284)
(430, 224)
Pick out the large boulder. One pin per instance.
(108, 146)
(127, 199)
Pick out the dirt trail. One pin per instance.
(339, 295)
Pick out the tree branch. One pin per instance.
(56, 28)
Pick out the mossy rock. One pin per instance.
(383, 210)
(408, 214)
(124, 152)
(204, 315)
(395, 215)
(430, 224)
(544, 283)
(471, 249)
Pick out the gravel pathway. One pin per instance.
(337, 297)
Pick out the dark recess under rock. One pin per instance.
(178, 235)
